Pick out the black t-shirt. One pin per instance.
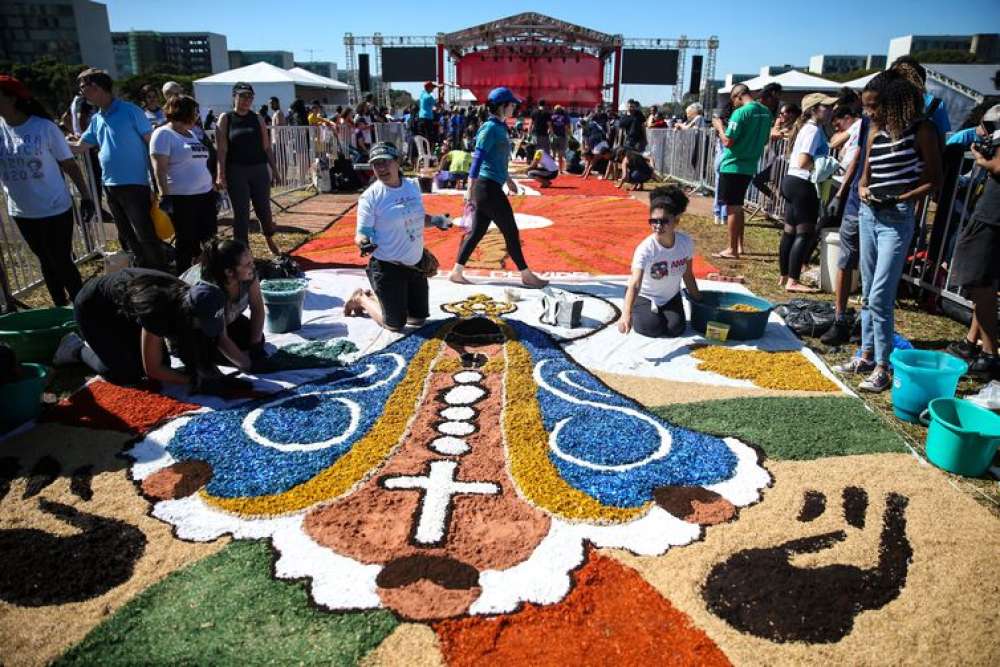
(988, 207)
(110, 293)
(540, 121)
(634, 127)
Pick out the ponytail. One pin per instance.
(803, 118)
(217, 257)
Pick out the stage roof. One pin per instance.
(529, 28)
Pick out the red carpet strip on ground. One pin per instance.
(595, 235)
(106, 406)
(571, 184)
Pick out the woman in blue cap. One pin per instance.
(485, 193)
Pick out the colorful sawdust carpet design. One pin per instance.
(461, 470)
(596, 235)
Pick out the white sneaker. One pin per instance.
(68, 352)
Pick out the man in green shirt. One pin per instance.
(745, 137)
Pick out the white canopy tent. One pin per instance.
(216, 92)
(859, 84)
(792, 81)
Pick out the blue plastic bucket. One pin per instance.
(283, 300)
(22, 400)
(962, 437)
(715, 307)
(920, 376)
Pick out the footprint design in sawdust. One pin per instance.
(760, 592)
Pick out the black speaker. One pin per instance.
(695, 74)
(364, 75)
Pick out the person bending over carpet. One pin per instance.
(653, 305)
(543, 168)
(126, 318)
(391, 221)
(227, 265)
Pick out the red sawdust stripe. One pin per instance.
(102, 405)
(612, 616)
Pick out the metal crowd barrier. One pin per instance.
(18, 264)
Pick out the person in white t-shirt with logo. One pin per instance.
(543, 168)
(661, 263)
(391, 221)
(187, 193)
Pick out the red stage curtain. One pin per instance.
(573, 82)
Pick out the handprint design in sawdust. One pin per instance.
(760, 591)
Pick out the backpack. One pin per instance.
(343, 176)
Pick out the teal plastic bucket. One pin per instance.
(920, 376)
(22, 400)
(715, 307)
(34, 334)
(283, 301)
(962, 437)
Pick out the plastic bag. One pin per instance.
(807, 318)
(468, 216)
(988, 397)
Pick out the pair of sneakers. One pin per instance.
(877, 378)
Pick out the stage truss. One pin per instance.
(529, 31)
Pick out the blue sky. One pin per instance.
(751, 34)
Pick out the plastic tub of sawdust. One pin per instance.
(21, 399)
(745, 315)
(34, 334)
(283, 299)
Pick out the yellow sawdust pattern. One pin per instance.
(772, 370)
(527, 449)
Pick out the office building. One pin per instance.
(323, 68)
(72, 31)
(841, 64)
(140, 51)
(282, 59)
(985, 47)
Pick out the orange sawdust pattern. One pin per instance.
(610, 617)
(771, 370)
(106, 406)
(571, 184)
(596, 235)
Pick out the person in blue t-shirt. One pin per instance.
(425, 116)
(934, 108)
(121, 131)
(485, 194)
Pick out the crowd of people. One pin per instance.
(884, 146)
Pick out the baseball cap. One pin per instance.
(502, 95)
(383, 150)
(13, 87)
(208, 304)
(815, 99)
(242, 87)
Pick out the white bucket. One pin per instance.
(828, 257)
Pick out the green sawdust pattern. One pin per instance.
(229, 610)
(799, 429)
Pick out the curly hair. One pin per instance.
(670, 198)
(900, 103)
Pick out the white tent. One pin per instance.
(216, 92)
(859, 84)
(318, 79)
(792, 81)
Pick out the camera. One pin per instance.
(987, 146)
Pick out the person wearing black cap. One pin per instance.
(486, 179)
(391, 222)
(246, 166)
(126, 317)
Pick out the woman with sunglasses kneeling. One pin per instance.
(653, 304)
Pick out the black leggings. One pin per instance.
(493, 206)
(195, 220)
(801, 215)
(51, 239)
(666, 321)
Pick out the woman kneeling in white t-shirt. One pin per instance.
(391, 221)
(658, 265)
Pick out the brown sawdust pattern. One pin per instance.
(36, 635)
(944, 611)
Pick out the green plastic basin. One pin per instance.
(22, 400)
(34, 335)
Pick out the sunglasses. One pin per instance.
(660, 222)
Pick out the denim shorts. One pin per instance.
(849, 244)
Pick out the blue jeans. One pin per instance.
(718, 209)
(885, 236)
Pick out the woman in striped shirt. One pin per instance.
(902, 166)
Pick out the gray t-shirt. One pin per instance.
(393, 218)
(234, 307)
(187, 161)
